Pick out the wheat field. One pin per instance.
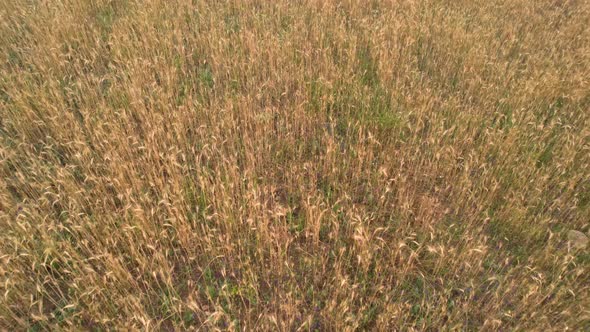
(310, 165)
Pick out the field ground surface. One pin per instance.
(295, 165)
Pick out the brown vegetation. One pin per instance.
(294, 165)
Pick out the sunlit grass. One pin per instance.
(280, 165)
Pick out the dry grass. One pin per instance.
(294, 165)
